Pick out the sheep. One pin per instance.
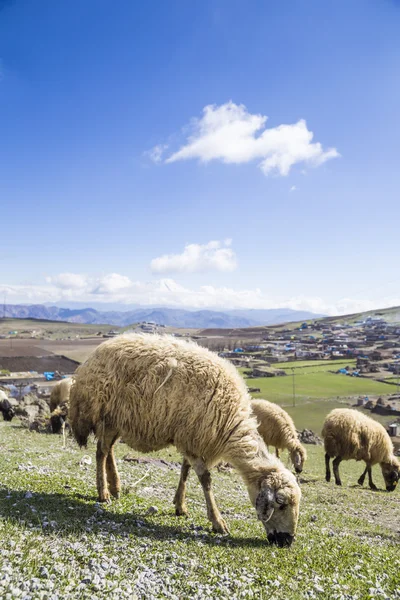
(59, 402)
(348, 434)
(276, 428)
(155, 391)
(6, 408)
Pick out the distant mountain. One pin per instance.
(273, 316)
(174, 317)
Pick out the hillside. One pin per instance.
(48, 328)
(57, 542)
(391, 315)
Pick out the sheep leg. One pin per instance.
(113, 478)
(362, 477)
(106, 471)
(371, 483)
(204, 475)
(327, 468)
(277, 452)
(336, 464)
(101, 475)
(180, 496)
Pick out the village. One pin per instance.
(374, 343)
(372, 347)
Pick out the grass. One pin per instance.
(315, 365)
(57, 542)
(316, 394)
(316, 385)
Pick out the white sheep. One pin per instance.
(59, 403)
(155, 391)
(277, 429)
(348, 434)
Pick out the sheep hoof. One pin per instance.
(105, 498)
(116, 494)
(220, 527)
(327, 478)
(338, 482)
(360, 481)
(181, 511)
(373, 487)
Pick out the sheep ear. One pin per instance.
(265, 503)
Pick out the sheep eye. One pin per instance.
(283, 507)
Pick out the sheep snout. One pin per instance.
(280, 538)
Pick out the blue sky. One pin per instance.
(119, 185)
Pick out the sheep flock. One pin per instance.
(155, 391)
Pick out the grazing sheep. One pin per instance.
(350, 434)
(155, 391)
(277, 429)
(6, 408)
(59, 402)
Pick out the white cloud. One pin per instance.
(167, 292)
(156, 153)
(68, 281)
(343, 306)
(230, 134)
(215, 255)
(293, 188)
(118, 288)
(112, 283)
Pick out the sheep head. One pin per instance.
(8, 413)
(276, 497)
(298, 456)
(57, 419)
(391, 474)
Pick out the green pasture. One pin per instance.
(316, 365)
(316, 390)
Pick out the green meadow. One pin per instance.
(310, 390)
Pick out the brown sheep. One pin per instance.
(59, 403)
(277, 429)
(155, 391)
(348, 434)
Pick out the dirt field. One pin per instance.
(38, 363)
(45, 355)
(12, 347)
(74, 349)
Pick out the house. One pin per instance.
(255, 348)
